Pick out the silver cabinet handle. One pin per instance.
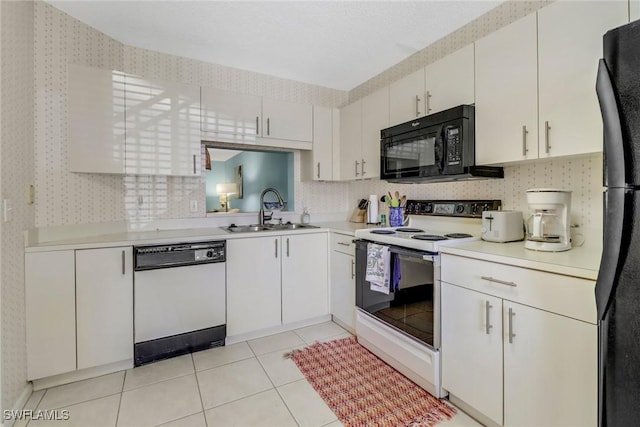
(318, 170)
(524, 140)
(502, 282)
(194, 164)
(344, 244)
(547, 147)
(417, 106)
(428, 107)
(276, 248)
(257, 125)
(268, 126)
(363, 163)
(487, 308)
(287, 247)
(357, 163)
(123, 264)
(511, 334)
(353, 269)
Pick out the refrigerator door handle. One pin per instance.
(618, 203)
(613, 142)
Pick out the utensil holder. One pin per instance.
(396, 217)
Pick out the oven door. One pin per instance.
(418, 153)
(413, 309)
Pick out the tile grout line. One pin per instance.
(287, 406)
(195, 373)
(124, 380)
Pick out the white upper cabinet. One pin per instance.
(375, 117)
(407, 98)
(350, 140)
(360, 125)
(569, 46)
(319, 164)
(96, 120)
(162, 127)
(231, 113)
(450, 81)
(287, 120)
(634, 10)
(507, 94)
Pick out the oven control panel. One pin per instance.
(458, 208)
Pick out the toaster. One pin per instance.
(502, 226)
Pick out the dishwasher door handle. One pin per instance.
(276, 248)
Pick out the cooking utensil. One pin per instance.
(403, 200)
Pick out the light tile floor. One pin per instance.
(246, 384)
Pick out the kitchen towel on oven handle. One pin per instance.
(380, 268)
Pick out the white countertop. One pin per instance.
(179, 236)
(583, 262)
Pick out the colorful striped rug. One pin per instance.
(362, 390)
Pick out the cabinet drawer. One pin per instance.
(343, 243)
(565, 295)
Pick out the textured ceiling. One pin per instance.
(336, 44)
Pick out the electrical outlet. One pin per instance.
(194, 206)
(31, 194)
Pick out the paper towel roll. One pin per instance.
(372, 213)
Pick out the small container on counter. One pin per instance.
(305, 218)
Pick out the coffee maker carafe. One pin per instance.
(548, 226)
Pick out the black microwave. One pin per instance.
(437, 147)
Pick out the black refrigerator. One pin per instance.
(618, 284)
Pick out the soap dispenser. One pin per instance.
(306, 218)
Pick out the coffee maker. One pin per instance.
(548, 226)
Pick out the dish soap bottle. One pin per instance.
(306, 218)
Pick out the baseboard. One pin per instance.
(276, 329)
(343, 325)
(83, 374)
(473, 413)
(19, 404)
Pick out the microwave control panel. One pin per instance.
(461, 208)
(454, 148)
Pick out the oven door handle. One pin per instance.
(412, 254)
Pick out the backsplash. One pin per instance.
(583, 176)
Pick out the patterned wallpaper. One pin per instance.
(16, 168)
(65, 198)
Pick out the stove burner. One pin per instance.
(431, 237)
(383, 232)
(458, 235)
(409, 230)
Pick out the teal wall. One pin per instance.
(260, 170)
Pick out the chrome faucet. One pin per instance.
(262, 216)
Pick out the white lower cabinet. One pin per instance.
(79, 309)
(472, 348)
(343, 280)
(305, 292)
(253, 284)
(50, 313)
(275, 280)
(104, 306)
(517, 363)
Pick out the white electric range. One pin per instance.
(402, 326)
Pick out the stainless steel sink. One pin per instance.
(266, 227)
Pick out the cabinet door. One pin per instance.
(450, 81)
(96, 120)
(550, 369)
(407, 98)
(287, 120)
(507, 94)
(162, 128)
(50, 313)
(322, 143)
(569, 47)
(375, 117)
(104, 306)
(231, 113)
(343, 288)
(634, 10)
(472, 349)
(304, 277)
(253, 284)
(351, 140)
